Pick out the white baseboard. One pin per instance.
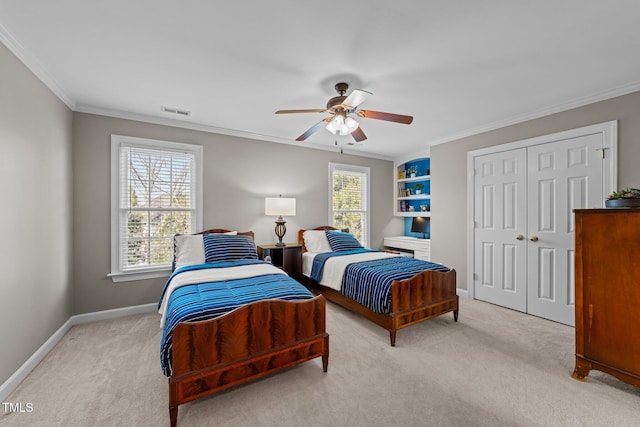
(24, 370)
(462, 293)
(114, 313)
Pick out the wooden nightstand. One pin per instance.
(288, 258)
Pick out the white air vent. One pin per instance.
(175, 111)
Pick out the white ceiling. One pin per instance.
(459, 67)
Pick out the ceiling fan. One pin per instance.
(341, 107)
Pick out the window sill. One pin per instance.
(139, 275)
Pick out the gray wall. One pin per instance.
(449, 168)
(238, 174)
(35, 175)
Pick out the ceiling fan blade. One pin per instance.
(390, 117)
(356, 98)
(299, 111)
(358, 134)
(312, 130)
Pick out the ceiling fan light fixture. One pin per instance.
(341, 125)
(335, 124)
(351, 124)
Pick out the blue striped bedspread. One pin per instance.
(210, 299)
(369, 282)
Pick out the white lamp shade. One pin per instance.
(280, 206)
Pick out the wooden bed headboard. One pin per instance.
(322, 227)
(221, 230)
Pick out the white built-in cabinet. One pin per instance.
(418, 248)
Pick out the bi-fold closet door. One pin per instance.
(523, 222)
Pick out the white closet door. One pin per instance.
(563, 176)
(500, 220)
(530, 188)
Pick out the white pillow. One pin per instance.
(190, 249)
(316, 241)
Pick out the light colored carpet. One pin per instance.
(495, 367)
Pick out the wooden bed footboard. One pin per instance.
(252, 341)
(421, 297)
(424, 296)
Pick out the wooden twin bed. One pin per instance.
(421, 297)
(245, 344)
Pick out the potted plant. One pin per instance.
(627, 198)
(418, 187)
(413, 170)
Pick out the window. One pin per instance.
(349, 199)
(156, 192)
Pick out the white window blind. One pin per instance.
(156, 194)
(349, 199)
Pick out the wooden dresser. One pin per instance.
(607, 286)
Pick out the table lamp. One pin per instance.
(280, 206)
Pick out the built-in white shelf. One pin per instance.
(416, 197)
(405, 198)
(414, 213)
(414, 179)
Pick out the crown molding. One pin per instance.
(35, 66)
(81, 108)
(547, 111)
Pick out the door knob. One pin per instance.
(534, 238)
(520, 237)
